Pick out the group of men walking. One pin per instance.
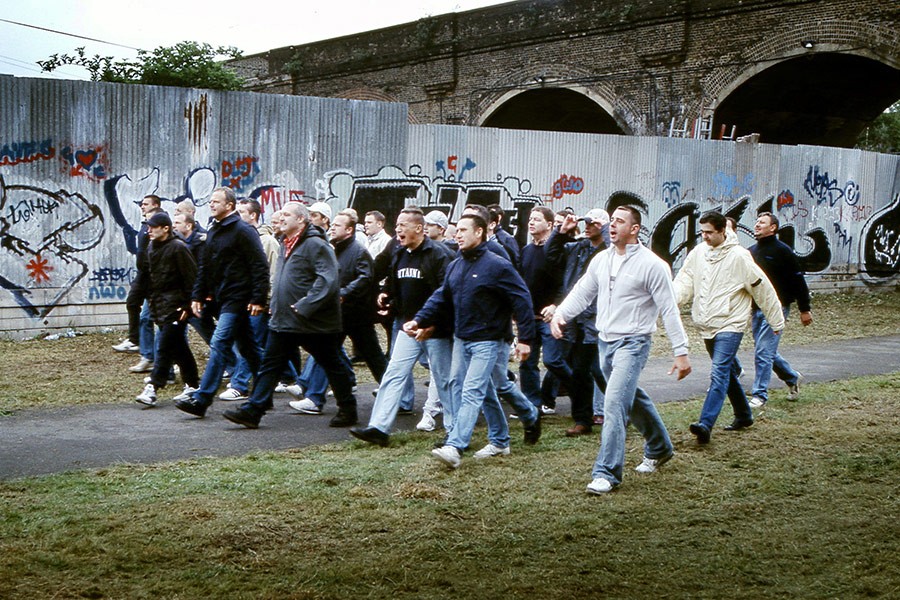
(587, 305)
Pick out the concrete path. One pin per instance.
(38, 442)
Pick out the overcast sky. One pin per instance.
(253, 26)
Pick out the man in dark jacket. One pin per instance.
(571, 257)
(233, 283)
(417, 270)
(481, 292)
(780, 265)
(171, 274)
(305, 312)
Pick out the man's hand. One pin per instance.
(806, 318)
(557, 324)
(255, 309)
(569, 224)
(196, 307)
(382, 301)
(411, 328)
(424, 333)
(681, 367)
(547, 312)
(523, 351)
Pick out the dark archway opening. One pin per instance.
(553, 109)
(822, 99)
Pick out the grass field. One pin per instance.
(802, 505)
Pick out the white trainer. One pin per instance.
(232, 394)
(794, 389)
(599, 486)
(294, 390)
(490, 451)
(650, 465)
(305, 406)
(757, 402)
(148, 396)
(126, 346)
(186, 394)
(143, 366)
(427, 423)
(447, 455)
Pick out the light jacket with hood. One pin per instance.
(723, 282)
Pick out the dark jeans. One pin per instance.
(365, 340)
(173, 348)
(585, 374)
(324, 348)
(133, 304)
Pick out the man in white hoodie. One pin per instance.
(723, 282)
(632, 288)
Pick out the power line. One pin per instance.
(81, 37)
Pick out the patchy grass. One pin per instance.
(802, 505)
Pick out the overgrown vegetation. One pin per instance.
(802, 505)
(883, 134)
(186, 64)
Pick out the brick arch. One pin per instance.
(626, 115)
(366, 93)
(843, 36)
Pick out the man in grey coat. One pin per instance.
(305, 312)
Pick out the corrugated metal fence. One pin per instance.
(76, 158)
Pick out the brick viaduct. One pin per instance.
(794, 71)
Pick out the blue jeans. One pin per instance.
(554, 354)
(314, 380)
(405, 351)
(723, 379)
(622, 362)
(240, 377)
(502, 388)
(148, 337)
(232, 329)
(472, 372)
(766, 356)
(408, 395)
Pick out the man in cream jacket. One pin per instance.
(723, 281)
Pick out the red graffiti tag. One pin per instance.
(38, 269)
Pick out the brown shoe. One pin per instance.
(578, 430)
(598, 419)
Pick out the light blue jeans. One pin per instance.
(622, 362)
(405, 351)
(502, 387)
(766, 356)
(232, 329)
(472, 371)
(723, 380)
(147, 345)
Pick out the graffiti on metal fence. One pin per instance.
(15, 153)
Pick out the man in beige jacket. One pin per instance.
(723, 281)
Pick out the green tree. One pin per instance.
(186, 64)
(883, 134)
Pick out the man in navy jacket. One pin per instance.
(481, 291)
(232, 283)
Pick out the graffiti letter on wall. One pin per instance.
(567, 185)
(239, 171)
(26, 152)
(823, 188)
(449, 167)
(87, 162)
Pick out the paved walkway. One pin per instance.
(38, 442)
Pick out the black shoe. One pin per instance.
(737, 425)
(371, 435)
(701, 431)
(404, 412)
(193, 407)
(533, 432)
(242, 417)
(343, 419)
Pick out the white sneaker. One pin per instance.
(281, 388)
(354, 389)
(756, 402)
(447, 455)
(794, 390)
(490, 451)
(650, 465)
(232, 394)
(148, 379)
(185, 394)
(148, 396)
(295, 390)
(427, 423)
(599, 486)
(547, 410)
(126, 346)
(143, 366)
(305, 406)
